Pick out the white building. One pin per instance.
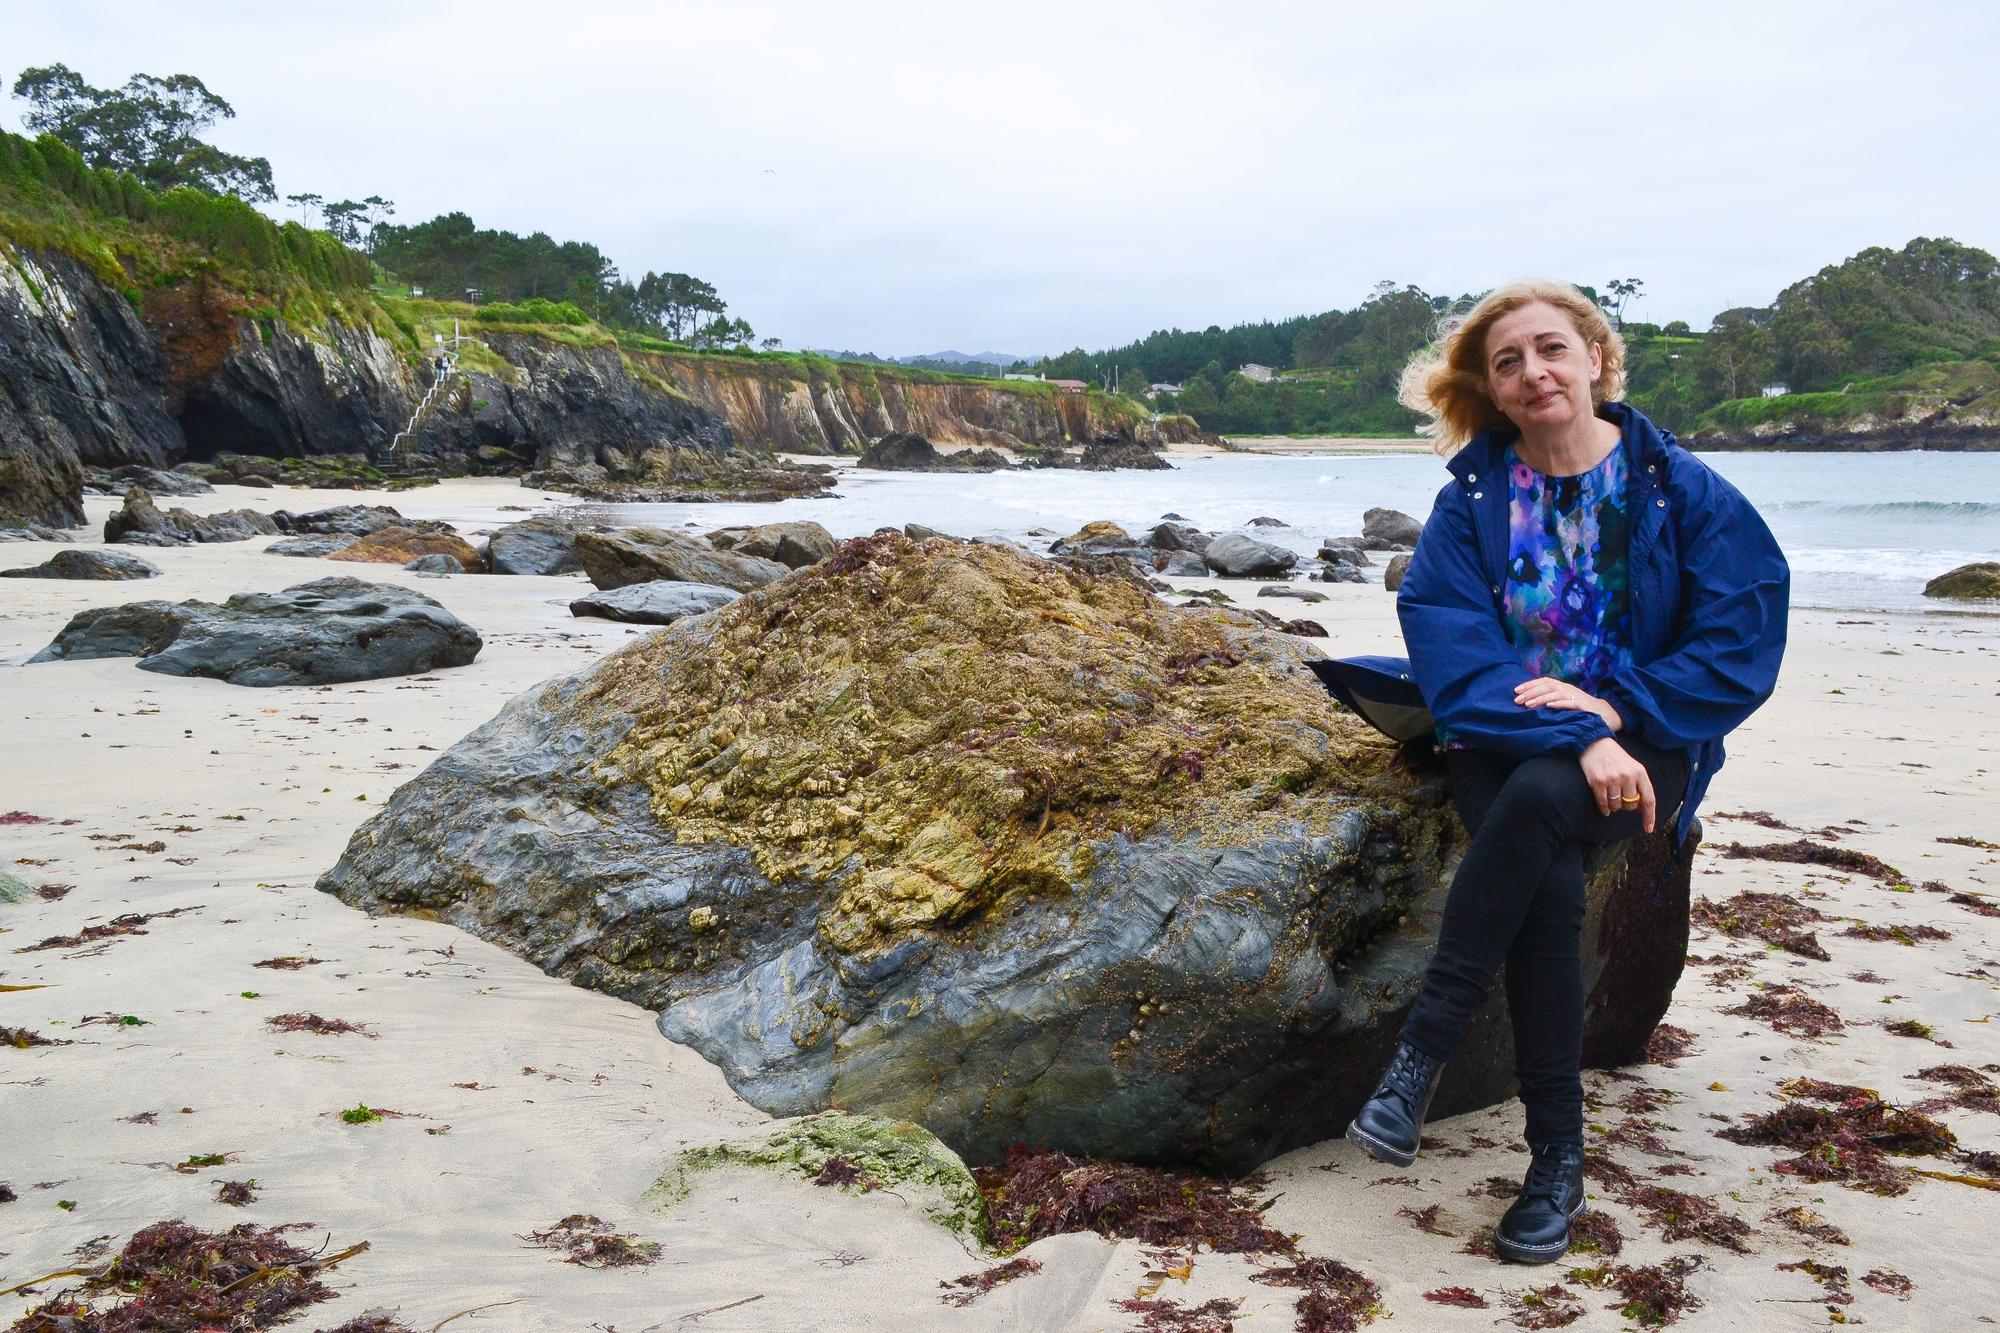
(1778, 390)
(1255, 373)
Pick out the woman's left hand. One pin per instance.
(1548, 692)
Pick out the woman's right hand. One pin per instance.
(1613, 774)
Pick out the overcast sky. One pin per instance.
(905, 177)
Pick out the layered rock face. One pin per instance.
(947, 833)
(81, 381)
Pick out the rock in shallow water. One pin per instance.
(949, 834)
(1974, 582)
(86, 563)
(318, 633)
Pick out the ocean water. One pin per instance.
(1863, 532)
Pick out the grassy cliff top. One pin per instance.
(1948, 392)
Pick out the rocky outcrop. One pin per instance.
(350, 520)
(657, 603)
(400, 545)
(1011, 852)
(87, 563)
(81, 381)
(544, 544)
(141, 523)
(319, 633)
(643, 555)
(1974, 582)
(900, 451)
(793, 544)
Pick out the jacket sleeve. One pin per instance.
(1735, 596)
(1461, 658)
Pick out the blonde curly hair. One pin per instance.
(1446, 382)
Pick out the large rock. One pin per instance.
(141, 523)
(1399, 565)
(399, 546)
(643, 555)
(120, 481)
(31, 532)
(314, 545)
(657, 603)
(1232, 555)
(544, 544)
(341, 520)
(86, 563)
(1389, 530)
(793, 544)
(945, 833)
(318, 633)
(901, 451)
(1973, 582)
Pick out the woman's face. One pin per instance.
(1538, 368)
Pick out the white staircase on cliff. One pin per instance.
(447, 370)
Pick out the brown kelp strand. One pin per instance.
(972, 1286)
(591, 1243)
(1426, 1219)
(1890, 1284)
(1808, 1223)
(1846, 1135)
(1970, 1089)
(1651, 1295)
(1791, 1011)
(1778, 919)
(1337, 1299)
(175, 1278)
(1895, 934)
(1834, 1288)
(1032, 1193)
(325, 1027)
(1596, 1232)
(132, 923)
(1168, 1316)
(287, 963)
(21, 1039)
(1669, 1044)
(1802, 852)
(1551, 1306)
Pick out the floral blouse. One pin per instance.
(1565, 604)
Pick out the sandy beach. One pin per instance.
(212, 809)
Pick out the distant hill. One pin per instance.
(976, 363)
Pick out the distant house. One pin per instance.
(1012, 376)
(1163, 388)
(1255, 373)
(1778, 390)
(1070, 386)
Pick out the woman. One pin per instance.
(1589, 610)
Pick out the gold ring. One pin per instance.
(1629, 800)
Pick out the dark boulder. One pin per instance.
(313, 545)
(544, 544)
(1232, 555)
(657, 603)
(86, 563)
(31, 532)
(1178, 537)
(160, 481)
(901, 451)
(345, 520)
(1011, 852)
(794, 544)
(319, 633)
(1392, 577)
(142, 519)
(435, 563)
(1389, 530)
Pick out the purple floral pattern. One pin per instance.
(1565, 605)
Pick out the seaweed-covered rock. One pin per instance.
(399, 546)
(141, 523)
(642, 555)
(318, 633)
(857, 1152)
(1977, 581)
(87, 563)
(950, 834)
(658, 603)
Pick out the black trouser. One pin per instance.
(1518, 898)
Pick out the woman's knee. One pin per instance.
(1546, 789)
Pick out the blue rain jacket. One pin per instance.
(1709, 594)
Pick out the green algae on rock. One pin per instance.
(1979, 581)
(860, 1153)
(947, 833)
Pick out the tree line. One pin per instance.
(151, 129)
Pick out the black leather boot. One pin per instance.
(1536, 1229)
(1389, 1126)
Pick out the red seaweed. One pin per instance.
(1802, 852)
(1775, 918)
(1465, 1298)
(589, 1242)
(1791, 1011)
(978, 1284)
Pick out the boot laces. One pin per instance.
(1408, 1073)
(1549, 1171)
